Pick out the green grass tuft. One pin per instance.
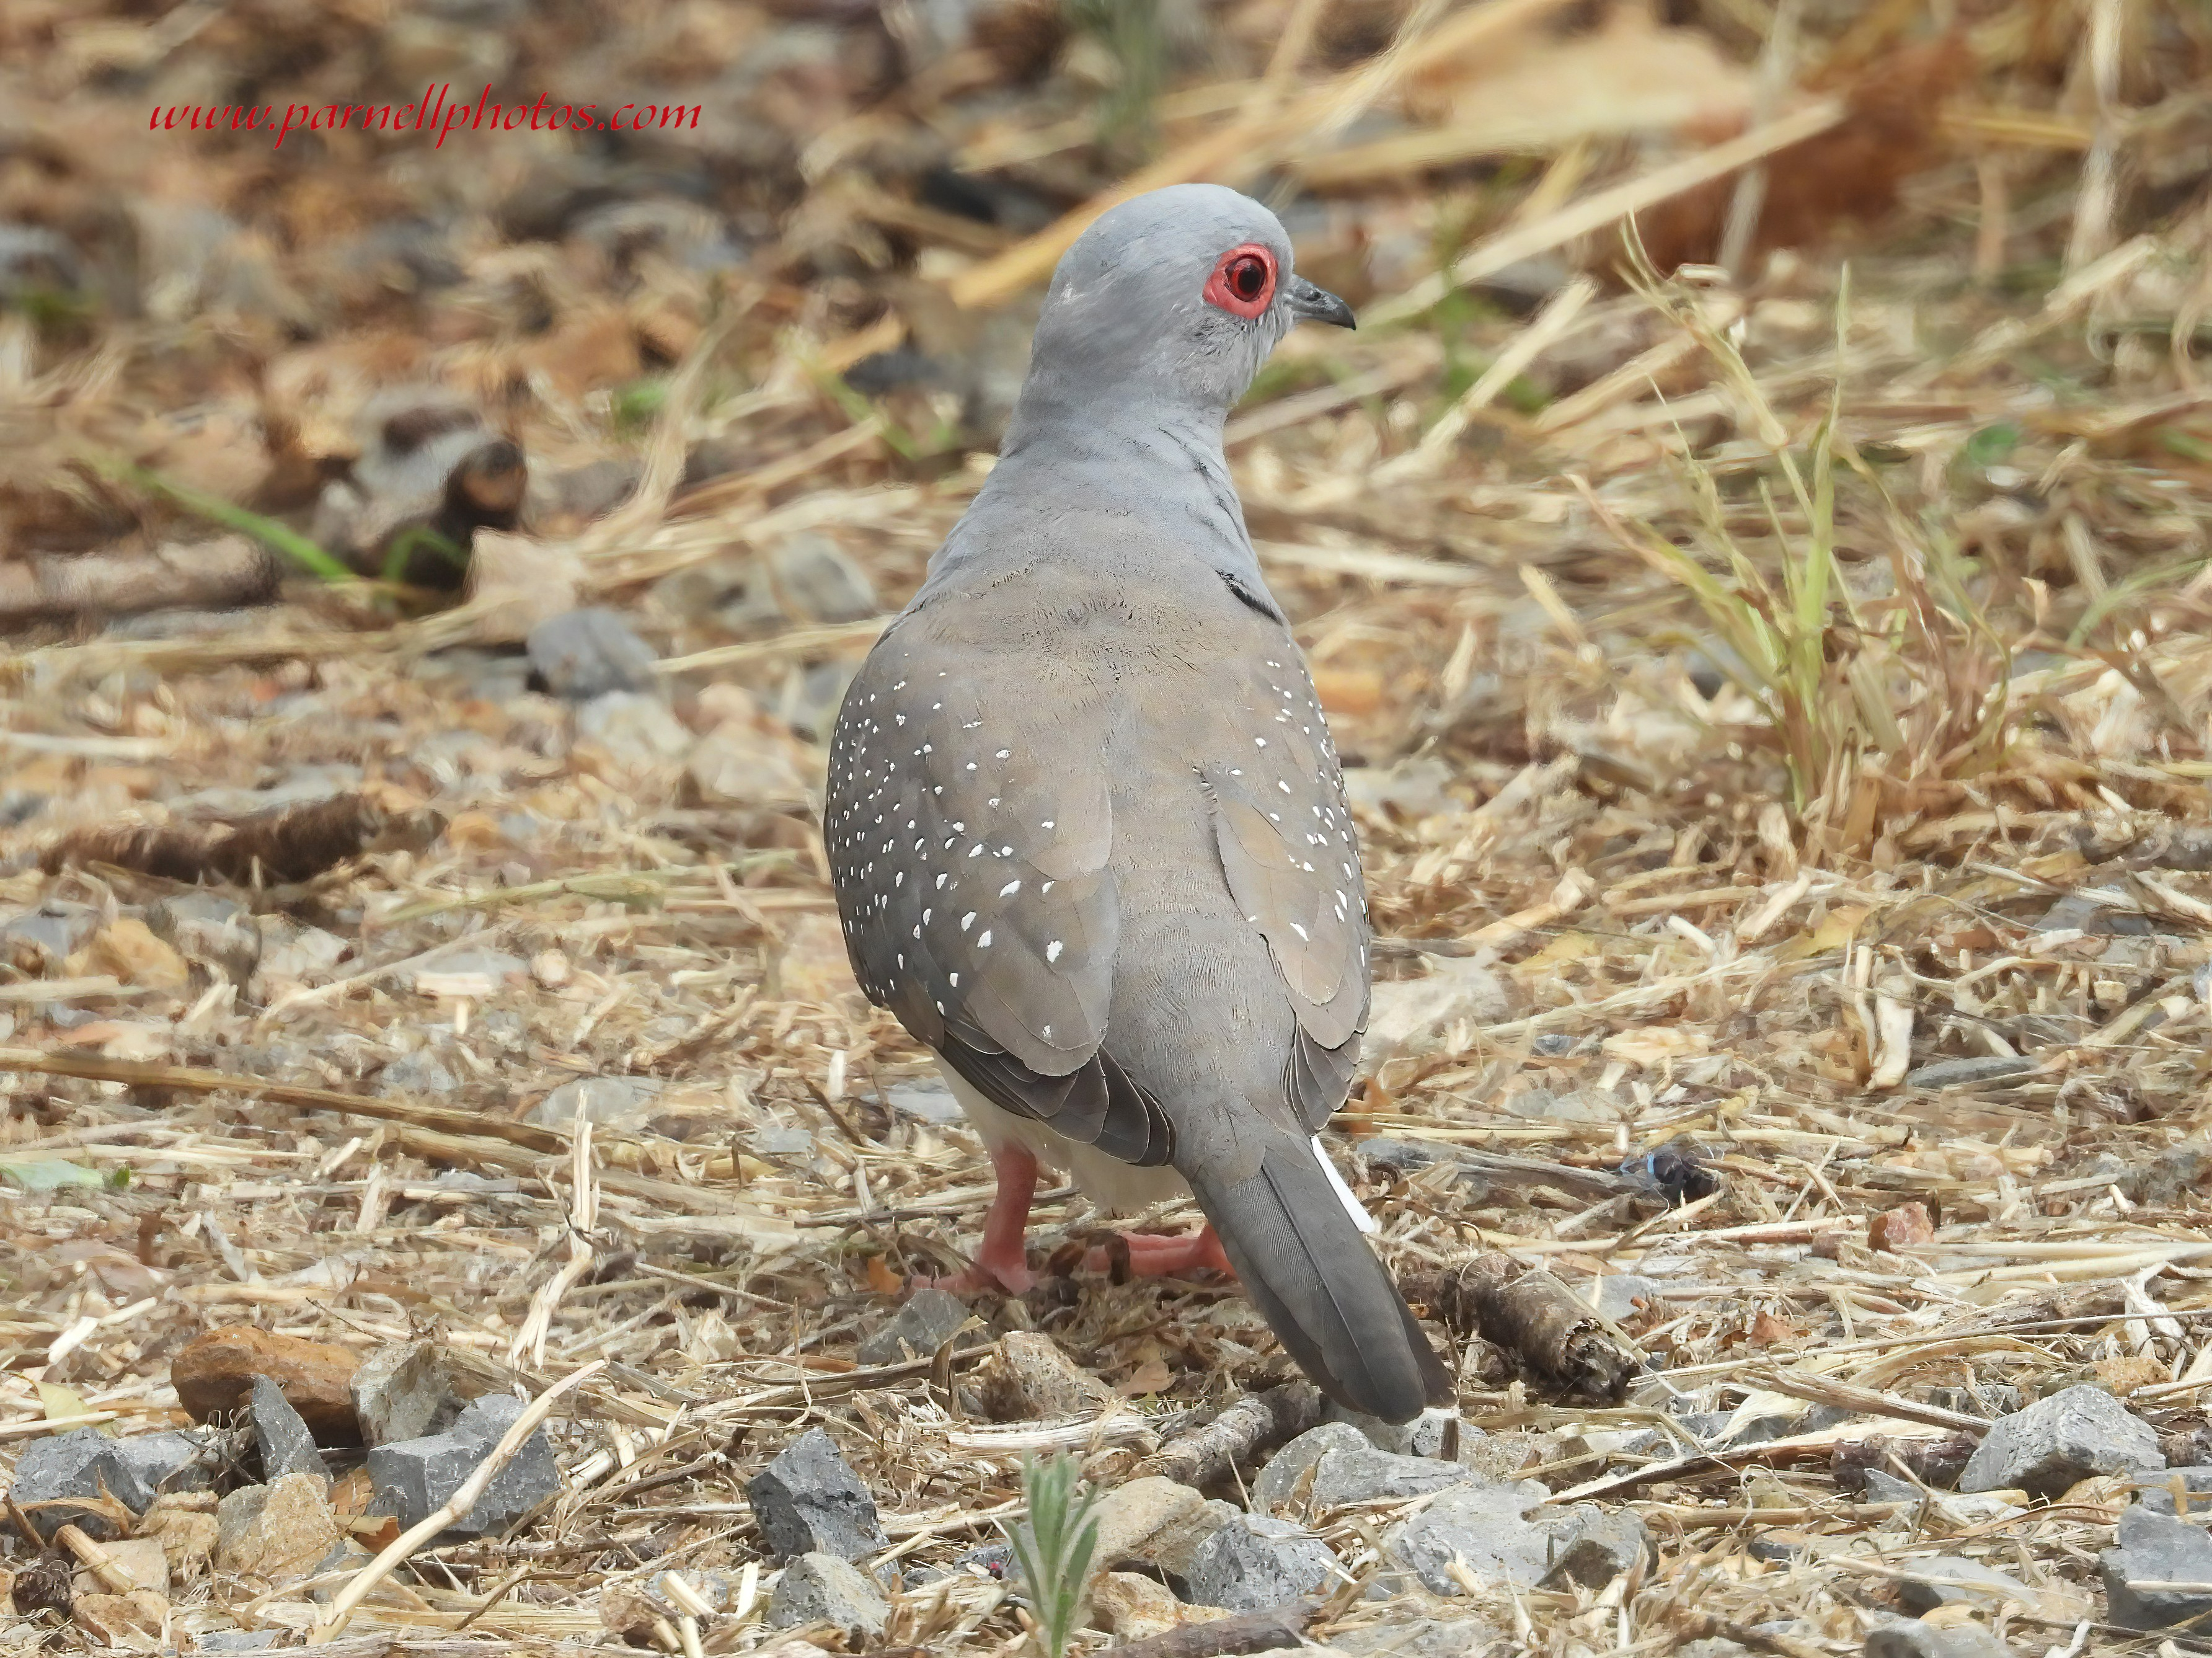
(1054, 1546)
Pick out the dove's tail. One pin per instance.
(1288, 1228)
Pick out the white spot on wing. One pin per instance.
(1360, 1218)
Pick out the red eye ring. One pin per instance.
(1243, 280)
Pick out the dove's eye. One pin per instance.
(1243, 281)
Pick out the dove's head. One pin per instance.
(1176, 296)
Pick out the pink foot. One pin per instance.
(1002, 1263)
(1151, 1255)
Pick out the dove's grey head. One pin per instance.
(1171, 300)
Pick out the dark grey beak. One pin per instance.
(1318, 304)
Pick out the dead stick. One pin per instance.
(455, 1507)
(1251, 1632)
(97, 1560)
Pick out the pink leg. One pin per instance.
(1151, 1255)
(1002, 1263)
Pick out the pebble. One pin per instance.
(1597, 1545)
(2151, 1548)
(808, 1501)
(930, 1318)
(1254, 1563)
(634, 727)
(276, 1531)
(1617, 1293)
(404, 1392)
(1908, 1637)
(134, 1470)
(287, 1446)
(2059, 1441)
(210, 932)
(2157, 1492)
(816, 578)
(826, 1588)
(1134, 1606)
(602, 1099)
(1287, 1479)
(41, 941)
(1951, 1580)
(1432, 1433)
(1482, 1526)
(413, 1477)
(1031, 1379)
(584, 653)
(1157, 1524)
(186, 1527)
(1367, 1475)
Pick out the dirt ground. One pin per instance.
(1775, 695)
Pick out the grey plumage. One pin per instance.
(1087, 824)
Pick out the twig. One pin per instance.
(455, 1507)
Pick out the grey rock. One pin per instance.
(86, 1462)
(1484, 1527)
(929, 1319)
(2153, 1549)
(1284, 1481)
(2156, 1492)
(405, 1392)
(2057, 1441)
(634, 726)
(808, 1501)
(1888, 1488)
(477, 961)
(1432, 1433)
(586, 653)
(826, 1588)
(287, 1446)
(814, 578)
(1954, 1074)
(602, 1099)
(1948, 1579)
(1254, 1562)
(419, 1072)
(239, 1640)
(38, 941)
(1908, 1637)
(209, 931)
(1420, 1637)
(1598, 1545)
(1367, 1475)
(414, 1477)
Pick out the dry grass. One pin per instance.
(1779, 697)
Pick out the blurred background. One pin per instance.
(1753, 553)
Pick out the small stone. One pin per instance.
(931, 1102)
(1367, 1475)
(286, 1445)
(1888, 1488)
(210, 932)
(406, 1392)
(141, 1561)
(85, 1463)
(1906, 1226)
(1134, 1513)
(2156, 1491)
(1255, 1563)
(213, 1376)
(414, 1477)
(1481, 1526)
(633, 727)
(1908, 1637)
(1597, 1545)
(1287, 1479)
(1134, 1606)
(815, 578)
(130, 1622)
(1429, 1433)
(2154, 1549)
(588, 652)
(187, 1529)
(601, 1099)
(826, 1588)
(930, 1318)
(277, 1531)
(2061, 1440)
(41, 941)
(1954, 1074)
(808, 1500)
(738, 764)
(1031, 1379)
